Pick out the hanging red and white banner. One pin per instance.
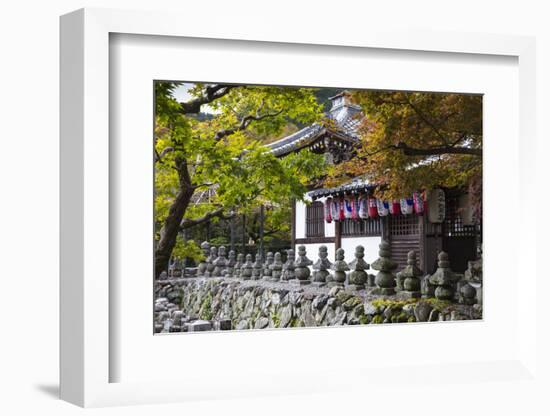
(383, 207)
(328, 210)
(363, 208)
(407, 205)
(355, 207)
(348, 208)
(373, 211)
(395, 207)
(335, 210)
(341, 209)
(418, 203)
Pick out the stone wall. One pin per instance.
(200, 304)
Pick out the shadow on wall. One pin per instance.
(51, 390)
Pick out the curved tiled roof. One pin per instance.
(355, 186)
(295, 140)
(346, 119)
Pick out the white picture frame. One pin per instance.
(86, 353)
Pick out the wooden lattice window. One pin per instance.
(368, 227)
(404, 225)
(453, 226)
(315, 219)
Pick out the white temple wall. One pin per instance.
(369, 243)
(313, 251)
(301, 221)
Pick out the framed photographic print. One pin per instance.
(274, 174)
(288, 213)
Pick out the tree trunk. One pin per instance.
(170, 229)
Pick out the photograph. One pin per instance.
(298, 207)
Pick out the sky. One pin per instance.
(181, 94)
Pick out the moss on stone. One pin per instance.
(392, 303)
(343, 296)
(294, 323)
(363, 320)
(205, 312)
(399, 318)
(438, 304)
(353, 302)
(276, 320)
(377, 319)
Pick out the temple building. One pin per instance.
(349, 215)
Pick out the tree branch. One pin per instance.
(218, 213)
(245, 122)
(213, 92)
(432, 151)
(427, 121)
(165, 151)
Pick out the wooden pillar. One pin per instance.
(385, 228)
(232, 233)
(243, 231)
(293, 225)
(422, 229)
(337, 235)
(261, 232)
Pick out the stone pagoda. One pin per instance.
(238, 265)
(205, 247)
(409, 278)
(258, 267)
(358, 275)
(210, 262)
(301, 267)
(247, 267)
(276, 268)
(321, 267)
(340, 267)
(220, 263)
(230, 265)
(267, 266)
(385, 279)
(444, 278)
(288, 267)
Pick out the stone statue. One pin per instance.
(238, 265)
(230, 264)
(301, 267)
(267, 266)
(340, 267)
(474, 272)
(177, 269)
(467, 294)
(288, 267)
(426, 288)
(409, 277)
(246, 269)
(171, 267)
(258, 267)
(201, 269)
(276, 268)
(358, 276)
(385, 279)
(210, 262)
(220, 263)
(444, 278)
(321, 267)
